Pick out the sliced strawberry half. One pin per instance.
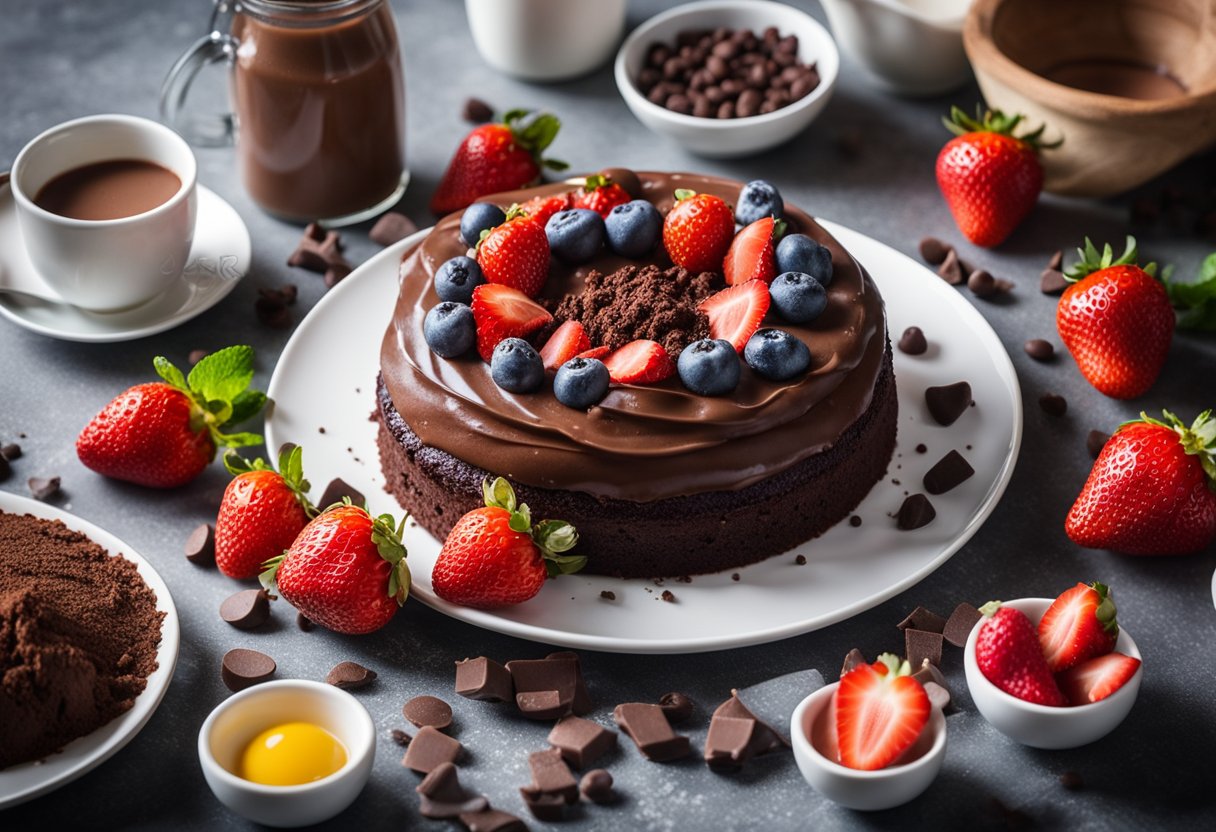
(595, 352)
(567, 341)
(540, 208)
(1078, 625)
(750, 256)
(735, 313)
(1097, 678)
(640, 362)
(880, 711)
(503, 312)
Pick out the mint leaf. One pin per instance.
(237, 440)
(1196, 299)
(224, 374)
(246, 405)
(170, 373)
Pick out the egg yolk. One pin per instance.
(291, 754)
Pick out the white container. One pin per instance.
(546, 40)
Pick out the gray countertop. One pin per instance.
(62, 59)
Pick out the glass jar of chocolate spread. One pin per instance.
(318, 100)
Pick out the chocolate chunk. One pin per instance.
(928, 672)
(949, 472)
(676, 706)
(429, 749)
(551, 775)
(350, 676)
(428, 710)
(317, 250)
(939, 697)
(1039, 350)
(400, 737)
(773, 701)
(1057, 261)
(492, 820)
(851, 660)
(581, 741)
(196, 356)
(915, 513)
(304, 623)
(548, 688)
(951, 270)
(923, 646)
(338, 489)
(960, 624)
(736, 577)
(1052, 282)
(476, 111)
(649, 729)
(923, 619)
(608, 595)
(922, 448)
(913, 342)
(550, 808)
(43, 488)
(484, 679)
(247, 609)
(272, 313)
(596, 786)
(582, 699)
(1053, 404)
(392, 228)
(668, 596)
(11, 451)
(948, 402)
(1072, 781)
(243, 668)
(1095, 442)
(200, 545)
(933, 251)
(981, 283)
(443, 797)
(736, 735)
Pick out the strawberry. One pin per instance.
(640, 362)
(163, 435)
(1097, 678)
(1117, 321)
(595, 352)
(495, 557)
(698, 230)
(1008, 654)
(345, 571)
(516, 253)
(502, 312)
(751, 253)
(497, 157)
(261, 513)
(540, 208)
(567, 341)
(880, 711)
(600, 194)
(990, 178)
(735, 313)
(1079, 625)
(1150, 491)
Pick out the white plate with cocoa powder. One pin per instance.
(324, 389)
(26, 781)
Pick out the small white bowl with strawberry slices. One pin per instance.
(1050, 673)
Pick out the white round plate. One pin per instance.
(26, 781)
(217, 261)
(848, 569)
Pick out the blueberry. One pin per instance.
(633, 228)
(581, 383)
(708, 367)
(799, 253)
(776, 354)
(798, 297)
(457, 278)
(575, 235)
(516, 366)
(757, 200)
(449, 329)
(479, 217)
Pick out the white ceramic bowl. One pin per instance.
(546, 40)
(811, 729)
(728, 138)
(1042, 726)
(237, 720)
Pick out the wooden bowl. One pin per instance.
(1130, 85)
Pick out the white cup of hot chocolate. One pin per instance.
(106, 206)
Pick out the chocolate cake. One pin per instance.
(658, 480)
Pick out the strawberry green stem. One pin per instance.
(552, 537)
(1198, 440)
(1091, 260)
(995, 121)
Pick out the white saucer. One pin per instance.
(218, 259)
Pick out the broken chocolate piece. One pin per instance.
(923, 619)
(582, 699)
(1053, 404)
(243, 668)
(317, 250)
(477, 111)
(960, 624)
(929, 672)
(428, 710)
(933, 251)
(581, 741)
(550, 808)
(1039, 349)
(923, 646)
(676, 707)
(429, 749)
(492, 820)
(392, 228)
(350, 676)
(551, 775)
(949, 472)
(948, 402)
(443, 797)
(43, 488)
(951, 269)
(736, 735)
(596, 786)
(916, 512)
(549, 688)
(541, 704)
(1052, 282)
(11, 451)
(1095, 442)
(852, 659)
(337, 489)
(200, 545)
(774, 701)
(913, 341)
(247, 609)
(608, 595)
(484, 679)
(649, 729)
(400, 737)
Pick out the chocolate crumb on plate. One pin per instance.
(608, 595)
(429, 749)
(1095, 442)
(247, 609)
(43, 488)
(1052, 282)
(242, 668)
(913, 341)
(649, 729)
(735, 576)
(949, 472)
(676, 707)
(391, 228)
(431, 711)
(922, 448)
(951, 269)
(492, 820)
(960, 623)
(596, 786)
(476, 111)
(923, 619)
(441, 795)
(484, 679)
(855, 521)
(1053, 404)
(350, 676)
(800, 560)
(1039, 349)
(933, 251)
(947, 402)
(916, 512)
(668, 596)
(923, 646)
(200, 545)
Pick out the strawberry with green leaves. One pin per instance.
(1152, 490)
(515, 253)
(1080, 624)
(698, 231)
(600, 194)
(261, 513)
(346, 571)
(496, 557)
(880, 712)
(163, 434)
(1008, 653)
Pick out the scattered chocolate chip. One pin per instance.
(247, 609)
(933, 251)
(476, 111)
(948, 402)
(1095, 442)
(736, 735)
(676, 707)
(668, 596)
(242, 668)
(1040, 350)
(608, 595)
(581, 741)
(951, 270)
(392, 228)
(923, 646)
(304, 623)
(800, 560)
(939, 697)
(1053, 404)
(982, 284)
(429, 749)
(949, 472)
(1057, 261)
(492, 820)
(735, 576)
(851, 660)
(649, 729)
(1072, 781)
(923, 619)
(1052, 282)
(922, 448)
(11, 451)
(441, 796)
(484, 679)
(350, 676)
(596, 786)
(428, 710)
(960, 623)
(855, 521)
(43, 488)
(336, 491)
(915, 513)
(913, 342)
(549, 688)
(400, 737)
(200, 545)
(196, 356)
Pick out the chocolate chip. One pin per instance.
(43, 488)
(1053, 404)
(608, 595)
(1095, 442)
(1072, 781)
(476, 111)
(854, 521)
(350, 676)
(429, 749)
(247, 609)
(915, 513)
(981, 283)
(428, 710)
(851, 660)
(304, 623)
(400, 737)
(596, 786)
(581, 741)
(649, 729)
(913, 342)
(11, 451)
(441, 796)
(484, 679)
(960, 624)
(1040, 350)
(735, 576)
(923, 619)
(242, 668)
(948, 402)
(492, 820)
(200, 545)
(922, 646)
(933, 251)
(338, 489)
(196, 356)
(800, 560)
(676, 706)
(949, 472)
(392, 228)
(951, 270)
(1052, 282)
